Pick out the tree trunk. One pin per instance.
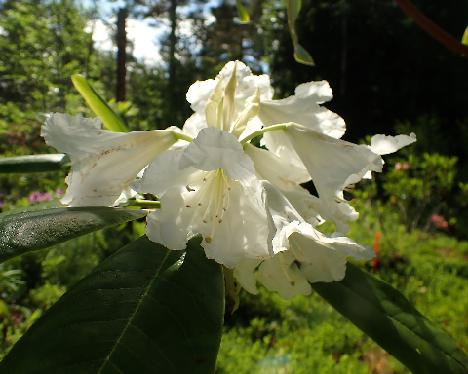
(172, 59)
(121, 92)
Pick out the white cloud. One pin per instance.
(145, 38)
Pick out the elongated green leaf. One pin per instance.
(143, 310)
(55, 203)
(293, 8)
(111, 120)
(33, 163)
(244, 15)
(390, 320)
(28, 231)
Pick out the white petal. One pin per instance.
(248, 83)
(278, 171)
(284, 219)
(104, 163)
(333, 165)
(385, 144)
(194, 124)
(231, 220)
(244, 272)
(323, 259)
(282, 275)
(307, 205)
(164, 173)
(303, 108)
(168, 225)
(213, 149)
(279, 143)
(320, 92)
(243, 232)
(199, 93)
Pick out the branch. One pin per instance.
(434, 30)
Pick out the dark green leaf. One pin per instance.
(28, 231)
(293, 8)
(243, 12)
(143, 310)
(111, 120)
(33, 163)
(390, 320)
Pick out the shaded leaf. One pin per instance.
(111, 120)
(384, 314)
(293, 8)
(145, 309)
(31, 230)
(33, 163)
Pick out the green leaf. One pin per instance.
(145, 309)
(391, 321)
(243, 12)
(31, 230)
(33, 163)
(293, 8)
(111, 120)
(465, 37)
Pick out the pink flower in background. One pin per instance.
(402, 166)
(39, 197)
(439, 222)
(59, 192)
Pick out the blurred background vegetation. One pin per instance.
(388, 77)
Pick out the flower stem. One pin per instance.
(279, 127)
(181, 136)
(148, 204)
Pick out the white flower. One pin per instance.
(333, 164)
(302, 254)
(208, 187)
(302, 138)
(212, 185)
(246, 202)
(103, 163)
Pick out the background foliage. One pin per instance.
(387, 77)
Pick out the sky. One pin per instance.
(142, 33)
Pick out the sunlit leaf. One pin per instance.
(111, 120)
(31, 230)
(293, 8)
(33, 163)
(465, 37)
(243, 12)
(144, 310)
(384, 314)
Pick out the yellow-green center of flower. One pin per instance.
(211, 200)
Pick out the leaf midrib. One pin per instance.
(145, 293)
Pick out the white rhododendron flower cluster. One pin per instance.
(246, 201)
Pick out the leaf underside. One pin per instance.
(32, 230)
(111, 120)
(145, 309)
(293, 7)
(34, 163)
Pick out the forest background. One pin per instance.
(387, 75)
